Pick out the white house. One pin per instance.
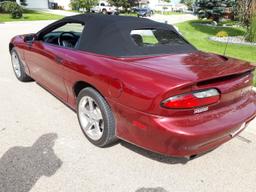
(160, 5)
(36, 4)
(44, 4)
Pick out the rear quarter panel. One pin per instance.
(115, 79)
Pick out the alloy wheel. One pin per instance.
(16, 64)
(91, 118)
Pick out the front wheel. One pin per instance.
(95, 117)
(18, 67)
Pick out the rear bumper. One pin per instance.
(186, 135)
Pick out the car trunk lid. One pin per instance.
(233, 78)
(196, 67)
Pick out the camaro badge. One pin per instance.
(201, 110)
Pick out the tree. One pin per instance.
(251, 33)
(84, 4)
(215, 9)
(189, 3)
(120, 3)
(11, 7)
(124, 3)
(246, 10)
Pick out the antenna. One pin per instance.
(226, 46)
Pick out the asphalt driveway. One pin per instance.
(42, 148)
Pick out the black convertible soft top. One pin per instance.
(110, 35)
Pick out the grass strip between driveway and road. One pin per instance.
(30, 15)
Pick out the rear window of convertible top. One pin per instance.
(156, 37)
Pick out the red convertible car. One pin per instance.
(140, 81)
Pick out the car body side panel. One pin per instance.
(134, 88)
(41, 60)
(111, 77)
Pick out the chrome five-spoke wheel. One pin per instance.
(95, 117)
(18, 67)
(91, 118)
(16, 64)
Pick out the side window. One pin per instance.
(70, 27)
(102, 4)
(68, 35)
(156, 37)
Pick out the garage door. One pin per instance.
(38, 4)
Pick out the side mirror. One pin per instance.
(30, 38)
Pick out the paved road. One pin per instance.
(42, 148)
(173, 19)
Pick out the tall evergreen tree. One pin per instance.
(215, 9)
(246, 10)
(189, 3)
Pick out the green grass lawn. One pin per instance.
(168, 13)
(30, 15)
(198, 35)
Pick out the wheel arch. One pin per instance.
(11, 46)
(79, 85)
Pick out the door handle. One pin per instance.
(30, 44)
(58, 59)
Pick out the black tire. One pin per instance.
(104, 12)
(108, 137)
(23, 77)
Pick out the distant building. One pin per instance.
(44, 4)
(38, 4)
(180, 7)
(159, 5)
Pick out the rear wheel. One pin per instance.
(18, 67)
(95, 117)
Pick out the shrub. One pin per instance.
(13, 8)
(251, 34)
(222, 34)
(16, 13)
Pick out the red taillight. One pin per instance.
(192, 100)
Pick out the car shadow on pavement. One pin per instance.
(154, 156)
(21, 167)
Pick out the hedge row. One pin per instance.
(12, 8)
